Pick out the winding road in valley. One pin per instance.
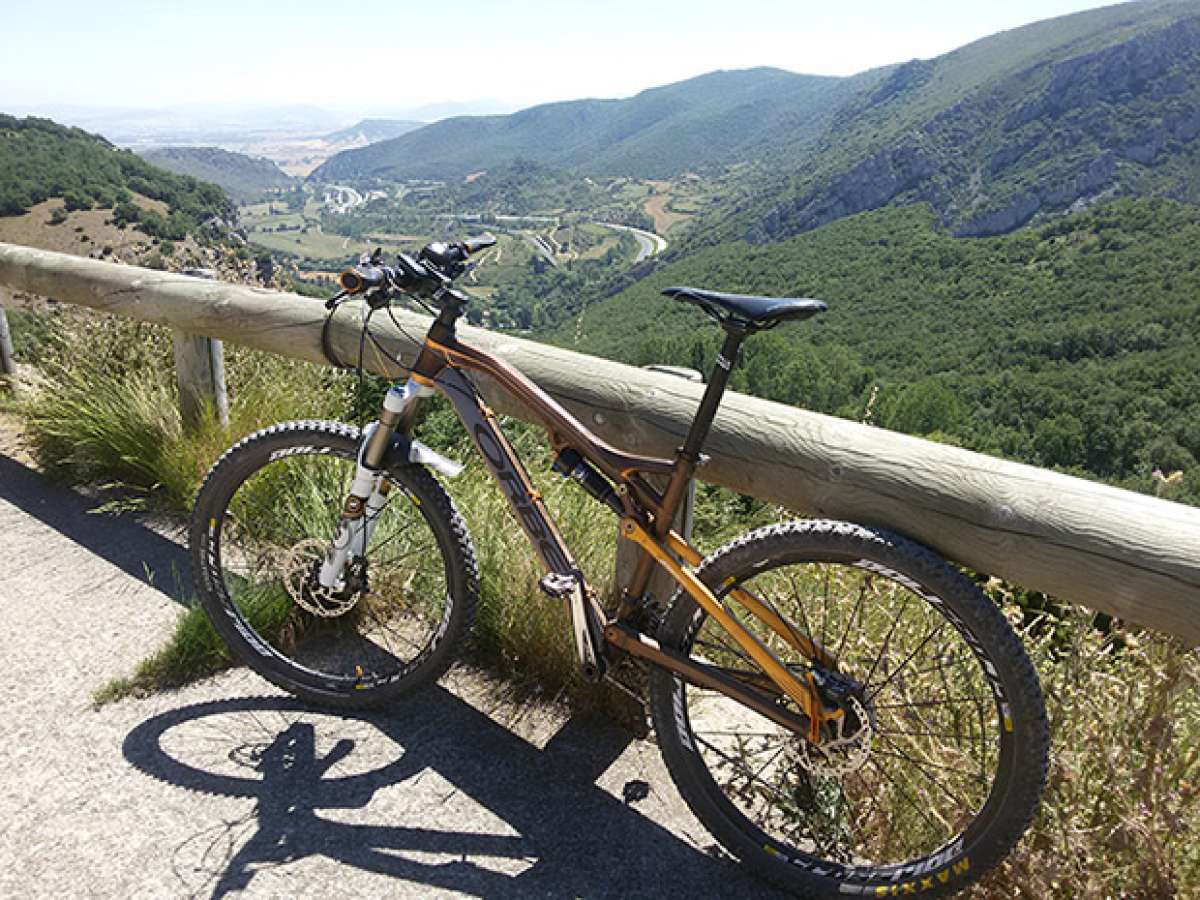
(649, 243)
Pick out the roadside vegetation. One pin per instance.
(1122, 811)
(1069, 345)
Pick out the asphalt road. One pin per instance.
(649, 244)
(229, 788)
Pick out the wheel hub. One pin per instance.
(846, 734)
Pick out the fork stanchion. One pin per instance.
(662, 586)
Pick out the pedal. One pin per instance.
(557, 585)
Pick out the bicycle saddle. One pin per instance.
(747, 310)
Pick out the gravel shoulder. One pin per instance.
(230, 788)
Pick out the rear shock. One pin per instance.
(570, 464)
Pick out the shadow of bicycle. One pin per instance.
(558, 834)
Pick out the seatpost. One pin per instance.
(688, 456)
(724, 364)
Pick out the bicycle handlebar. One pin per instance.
(434, 267)
(482, 242)
(361, 278)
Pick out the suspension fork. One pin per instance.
(369, 490)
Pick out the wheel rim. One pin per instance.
(270, 540)
(935, 747)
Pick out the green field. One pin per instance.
(311, 245)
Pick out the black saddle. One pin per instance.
(748, 312)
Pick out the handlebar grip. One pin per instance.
(361, 278)
(482, 242)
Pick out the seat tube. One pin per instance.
(688, 456)
(717, 381)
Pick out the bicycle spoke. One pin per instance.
(944, 702)
(925, 767)
(862, 593)
(800, 604)
(887, 640)
(726, 646)
(907, 660)
(934, 734)
(919, 807)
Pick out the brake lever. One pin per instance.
(332, 302)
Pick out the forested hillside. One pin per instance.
(1011, 128)
(40, 160)
(720, 117)
(1019, 124)
(1073, 344)
(243, 177)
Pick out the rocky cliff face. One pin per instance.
(1056, 136)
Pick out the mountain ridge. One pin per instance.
(1062, 131)
(242, 176)
(992, 135)
(372, 130)
(708, 120)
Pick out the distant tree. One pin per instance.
(923, 408)
(264, 264)
(74, 201)
(1059, 441)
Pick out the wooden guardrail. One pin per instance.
(1134, 556)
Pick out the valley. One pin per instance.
(926, 200)
(543, 219)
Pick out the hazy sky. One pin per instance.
(376, 54)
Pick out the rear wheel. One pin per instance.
(939, 761)
(261, 525)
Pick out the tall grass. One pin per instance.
(1121, 816)
(104, 407)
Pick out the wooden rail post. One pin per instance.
(8, 366)
(662, 585)
(200, 374)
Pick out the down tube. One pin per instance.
(527, 504)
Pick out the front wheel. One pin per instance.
(935, 768)
(262, 523)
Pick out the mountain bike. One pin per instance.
(845, 711)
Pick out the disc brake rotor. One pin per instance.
(840, 754)
(300, 568)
